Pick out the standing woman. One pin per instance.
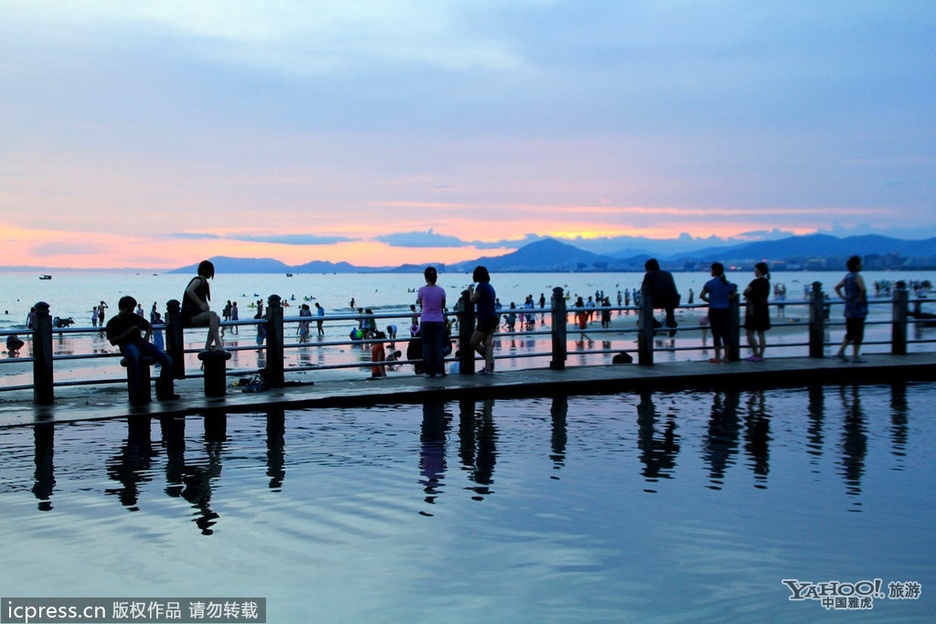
(431, 300)
(196, 310)
(718, 293)
(757, 313)
(482, 340)
(852, 290)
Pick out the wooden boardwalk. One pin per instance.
(96, 402)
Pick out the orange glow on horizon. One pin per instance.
(79, 250)
(75, 250)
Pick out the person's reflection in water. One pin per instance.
(276, 443)
(757, 437)
(658, 456)
(173, 441)
(854, 443)
(132, 466)
(478, 445)
(721, 443)
(899, 422)
(483, 475)
(559, 410)
(198, 478)
(305, 356)
(432, 451)
(190, 481)
(44, 436)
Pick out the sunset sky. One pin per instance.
(378, 132)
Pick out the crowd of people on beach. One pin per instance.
(718, 293)
(431, 326)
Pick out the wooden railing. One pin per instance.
(550, 339)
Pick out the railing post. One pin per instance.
(466, 323)
(43, 392)
(899, 327)
(559, 329)
(275, 364)
(816, 321)
(733, 352)
(214, 362)
(175, 338)
(645, 330)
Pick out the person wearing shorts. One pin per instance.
(483, 296)
(852, 290)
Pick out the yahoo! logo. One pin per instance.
(859, 595)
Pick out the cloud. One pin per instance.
(431, 239)
(46, 250)
(292, 239)
(352, 125)
(276, 239)
(426, 239)
(299, 38)
(758, 235)
(190, 236)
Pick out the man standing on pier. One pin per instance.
(130, 333)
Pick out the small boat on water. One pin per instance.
(45, 276)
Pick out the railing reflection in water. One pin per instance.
(462, 442)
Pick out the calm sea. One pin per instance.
(661, 507)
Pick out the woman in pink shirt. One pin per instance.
(431, 299)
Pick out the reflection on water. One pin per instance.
(854, 446)
(432, 450)
(565, 496)
(721, 441)
(899, 409)
(276, 445)
(658, 450)
(44, 481)
(133, 465)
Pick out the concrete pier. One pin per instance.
(92, 403)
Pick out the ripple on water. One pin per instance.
(673, 505)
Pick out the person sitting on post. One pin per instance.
(661, 287)
(130, 333)
(196, 309)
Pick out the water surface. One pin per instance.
(686, 506)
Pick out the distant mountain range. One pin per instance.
(812, 252)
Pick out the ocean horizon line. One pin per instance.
(395, 270)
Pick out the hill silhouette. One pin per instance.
(547, 255)
(816, 245)
(814, 251)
